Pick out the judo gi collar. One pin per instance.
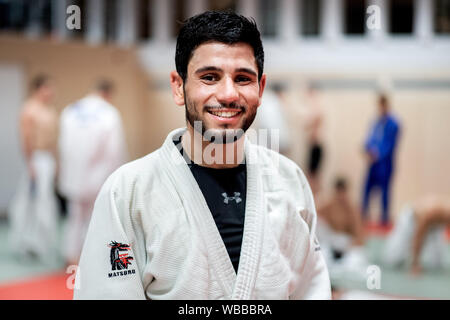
(234, 286)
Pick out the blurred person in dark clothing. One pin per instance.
(313, 126)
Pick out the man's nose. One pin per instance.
(227, 92)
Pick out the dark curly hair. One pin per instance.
(222, 26)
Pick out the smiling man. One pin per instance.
(209, 215)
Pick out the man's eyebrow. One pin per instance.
(212, 68)
(247, 70)
(207, 68)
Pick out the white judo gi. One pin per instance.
(91, 145)
(353, 258)
(398, 248)
(271, 117)
(152, 235)
(33, 212)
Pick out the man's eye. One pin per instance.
(209, 77)
(243, 79)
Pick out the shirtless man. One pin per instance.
(341, 216)
(431, 213)
(38, 121)
(313, 127)
(340, 231)
(33, 212)
(418, 236)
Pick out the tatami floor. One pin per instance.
(396, 283)
(33, 280)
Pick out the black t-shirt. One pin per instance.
(225, 193)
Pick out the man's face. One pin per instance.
(222, 89)
(382, 108)
(341, 195)
(47, 92)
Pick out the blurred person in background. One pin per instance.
(91, 145)
(380, 151)
(33, 213)
(271, 116)
(340, 230)
(313, 120)
(418, 237)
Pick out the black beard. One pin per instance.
(223, 137)
(217, 136)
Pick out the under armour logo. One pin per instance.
(227, 198)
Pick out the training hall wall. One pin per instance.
(423, 153)
(422, 164)
(75, 67)
(149, 113)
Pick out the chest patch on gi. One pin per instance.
(120, 259)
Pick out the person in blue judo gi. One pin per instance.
(380, 149)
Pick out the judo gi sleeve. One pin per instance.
(108, 268)
(314, 281)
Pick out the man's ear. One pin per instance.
(262, 86)
(176, 82)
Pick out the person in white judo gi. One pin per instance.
(418, 238)
(33, 212)
(271, 116)
(91, 146)
(209, 215)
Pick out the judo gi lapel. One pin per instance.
(238, 286)
(253, 228)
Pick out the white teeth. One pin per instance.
(225, 114)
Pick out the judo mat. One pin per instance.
(395, 283)
(35, 281)
(42, 287)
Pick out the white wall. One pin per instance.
(11, 163)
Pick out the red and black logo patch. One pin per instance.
(120, 259)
